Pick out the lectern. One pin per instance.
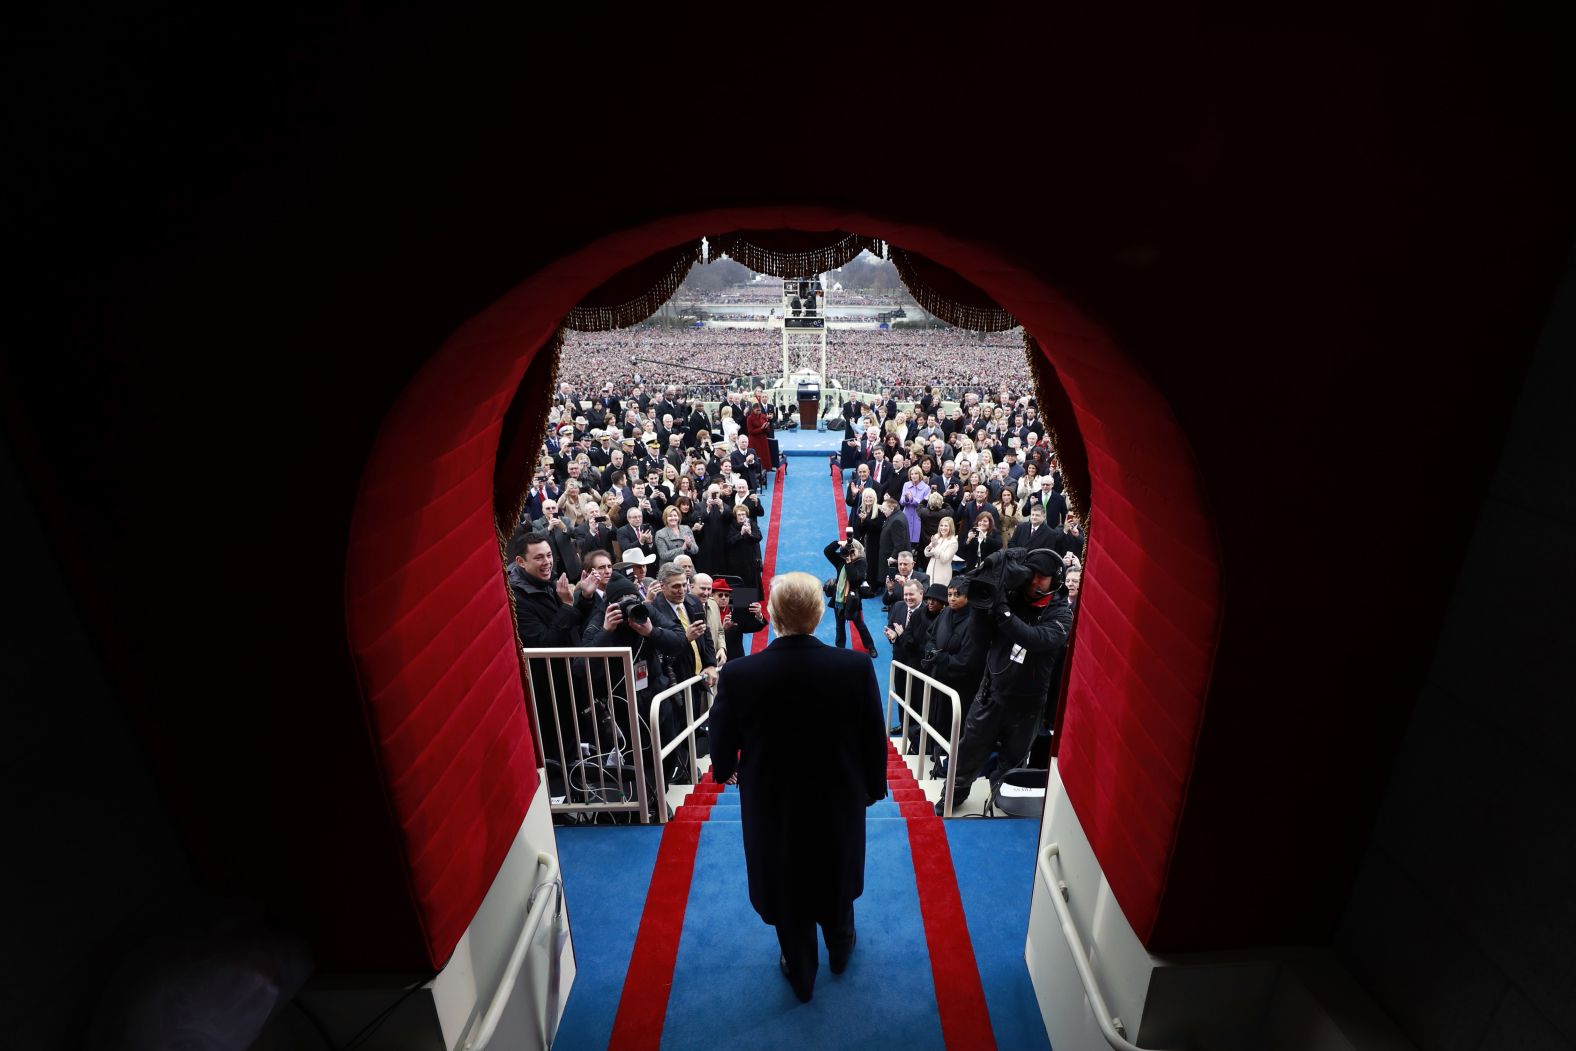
(809, 405)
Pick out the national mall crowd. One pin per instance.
(900, 360)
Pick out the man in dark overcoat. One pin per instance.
(801, 724)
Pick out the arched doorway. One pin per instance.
(429, 622)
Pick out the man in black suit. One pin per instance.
(897, 580)
(894, 538)
(635, 532)
(856, 488)
(566, 553)
(1071, 540)
(673, 607)
(895, 478)
(880, 470)
(1034, 533)
(1053, 503)
(801, 724)
(977, 504)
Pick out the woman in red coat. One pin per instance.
(757, 425)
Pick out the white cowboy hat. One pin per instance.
(636, 557)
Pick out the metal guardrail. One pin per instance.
(551, 886)
(922, 714)
(594, 768)
(692, 725)
(1111, 1026)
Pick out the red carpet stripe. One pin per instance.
(759, 640)
(643, 1005)
(960, 998)
(855, 643)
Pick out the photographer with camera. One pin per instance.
(1023, 618)
(659, 650)
(843, 591)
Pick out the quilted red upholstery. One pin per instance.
(428, 615)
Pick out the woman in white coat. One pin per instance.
(941, 549)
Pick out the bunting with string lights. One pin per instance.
(635, 293)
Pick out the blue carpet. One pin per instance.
(606, 871)
(802, 443)
(726, 987)
(809, 523)
(994, 861)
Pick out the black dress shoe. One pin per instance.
(840, 961)
(782, 965)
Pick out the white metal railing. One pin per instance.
(1111, 1026)
(692, 725)
(595, 766)
(551, 886)
(948, 744)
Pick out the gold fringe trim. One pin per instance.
(1074, 478)
(603, 319)
(791, 264)
(978, 319)
(554, 349)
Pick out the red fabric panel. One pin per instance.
(427, 608)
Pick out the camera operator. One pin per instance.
(1024, 628)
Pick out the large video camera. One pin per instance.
(1003, 574)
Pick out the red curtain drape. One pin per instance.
(946, 295)
(790, 253)
(635, 293)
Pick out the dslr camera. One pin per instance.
(634, 609)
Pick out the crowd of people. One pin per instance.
(900, 360)
(764, 292)
(642, 528)
(959, 521)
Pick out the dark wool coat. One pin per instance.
(805, 722)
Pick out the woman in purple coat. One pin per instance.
(915, 492)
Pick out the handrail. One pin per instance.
(483, 1035)
(661, 751)
(923, 715)
(577, 757)
(1110, 1026)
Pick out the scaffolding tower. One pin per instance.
(804, 324)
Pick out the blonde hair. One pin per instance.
(867, 495)
(946, 521)
(795, 604)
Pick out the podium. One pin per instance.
(809, 405)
